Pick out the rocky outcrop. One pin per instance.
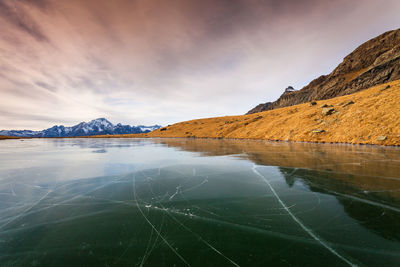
(375, 62)
(267, 105)
(259, 108)
(327, 111)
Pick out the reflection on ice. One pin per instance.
(161, 202)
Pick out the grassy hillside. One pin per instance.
(371, 116)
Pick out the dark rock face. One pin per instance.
(375, 62)
(348, 103)
(259, 108)
(99, 126)
(289, 90)
(327, 111)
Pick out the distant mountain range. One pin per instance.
(100, 126)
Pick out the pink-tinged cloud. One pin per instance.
(157, 61)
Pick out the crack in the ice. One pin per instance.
(152, 226)
(305, 228)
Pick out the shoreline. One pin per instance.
(368, 117)
(210, 138)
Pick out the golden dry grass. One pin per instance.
(375, 114)
(3, 137)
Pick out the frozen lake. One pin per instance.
(190, 202)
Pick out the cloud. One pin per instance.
(147, 62)
(17, 15)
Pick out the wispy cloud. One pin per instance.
(146, 62)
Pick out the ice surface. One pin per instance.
(180, 202)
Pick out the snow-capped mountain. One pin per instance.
(95, 127)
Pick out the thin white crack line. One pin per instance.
(204, 241)
(195, 234)
(25, 211)
(305, 228)
(370, 202)
(152, 226)
(178, 188)
(148, 252)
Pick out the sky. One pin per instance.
(160, 62)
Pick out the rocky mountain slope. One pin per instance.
(99, 126)
(375, 62)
